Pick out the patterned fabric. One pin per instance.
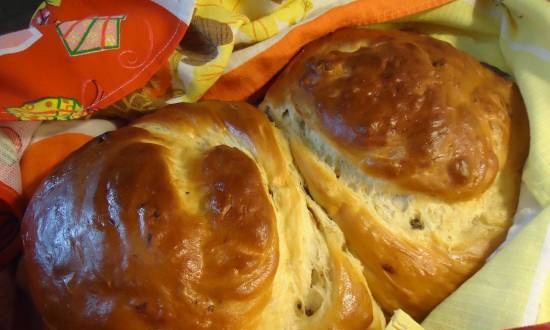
(80, 56)
(49, 108)
(234, 47)
(89, 35)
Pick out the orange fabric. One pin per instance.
(245, 80)
(160, 84)
(42, 157)
(89, 76)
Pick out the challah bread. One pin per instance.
(193, 217)
(413, 148)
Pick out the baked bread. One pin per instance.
(413, 148)
(193, 217)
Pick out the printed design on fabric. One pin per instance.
(41, 17)
(262, 27)
(10, 146)
(49, 108)
(91, 35)
(163, 85)
(18, 41)
(150, 96)
(200, 44)
(42, 14)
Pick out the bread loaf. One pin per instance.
(413, 148)
(193, 217)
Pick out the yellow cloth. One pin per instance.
(402, 321)
(511, 290)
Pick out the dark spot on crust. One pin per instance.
(337, 172)
(210, 308)
(156, 214)
(388, 268)
(299, 305)
(416, 223)
(439, 62)
(141, 308)
(149, 238)
(302, 125)
(308, 311)
(388, 73)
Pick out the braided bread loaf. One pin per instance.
(414, 148)
(191, 218)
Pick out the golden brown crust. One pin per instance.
(401, 275)
(169, 224)
(126, 247)
(413, 148)
(404, 107)
(241, 246)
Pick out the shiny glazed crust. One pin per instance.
(193, 217)
(413, 148)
